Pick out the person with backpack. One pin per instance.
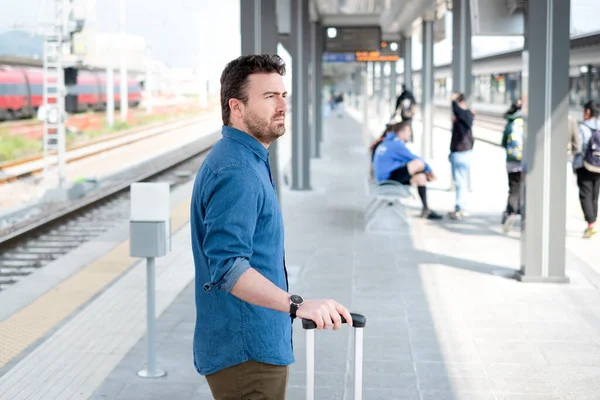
(586, 164)
(512, 141)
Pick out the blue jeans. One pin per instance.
(461, 162)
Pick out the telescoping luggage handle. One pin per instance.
(358, 323)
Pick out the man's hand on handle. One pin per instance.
(324, 313)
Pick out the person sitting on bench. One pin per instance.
(394, 161)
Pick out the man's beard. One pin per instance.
(264, 131)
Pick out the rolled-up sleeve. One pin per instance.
(232, 206)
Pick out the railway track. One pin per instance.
(83, 150)
(28, 246)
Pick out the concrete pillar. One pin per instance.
(393, 83)
(427, 86)
(300, 44)
(408, 62)
(316, 84)
(259, 36)
(462, 74)
(543, 237)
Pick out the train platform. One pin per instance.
(443, 321)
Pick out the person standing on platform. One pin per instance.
(405, 108)
(244, 313)
(461, 147)
(512, 141)
(587, 166)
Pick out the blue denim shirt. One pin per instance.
(236, 223)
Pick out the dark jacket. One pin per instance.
(462, 129)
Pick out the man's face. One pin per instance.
(264, 113)
(587, 114)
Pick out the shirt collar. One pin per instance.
(246, 140)
(391, 136)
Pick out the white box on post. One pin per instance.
(150, 237)
(150, 220)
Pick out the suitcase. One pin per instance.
(358, 323)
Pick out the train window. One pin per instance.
(37, 90)
(14, 89)
(3, 89)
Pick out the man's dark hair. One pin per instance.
(400, 126)
(593, 107)
(460, 97)
(235, 78)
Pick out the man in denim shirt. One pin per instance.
(244, 314)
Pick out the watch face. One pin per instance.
(296, 299)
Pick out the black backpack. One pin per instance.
(591, 156)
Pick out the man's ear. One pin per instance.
(236, 107)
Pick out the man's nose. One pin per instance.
(282, 105)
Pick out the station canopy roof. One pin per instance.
(394, 18)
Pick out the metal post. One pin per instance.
(315, 144)
(365, 104)
(110, 96)
(317, 86)
(427, 93)
(382, 88)
(149, 84)
(310, 364)
(393, 83)
(300, 57)
(543, 238)
(408, 62)
(358, 363)
(373, 79)
(151, 371)
(123, 76)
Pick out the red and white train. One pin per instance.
(21, 92)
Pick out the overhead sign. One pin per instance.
(339, 57)
(365, 56)
(352, 39)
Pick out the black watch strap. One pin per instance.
(293, 310)
(295, 303)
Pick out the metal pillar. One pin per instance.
(381, 93)
(393, 83)
(259, 36)
(427, 87)
(543, 238)
(364, 78)
(462, 75)
(588, 83)
(317, 84)
(110, 95)
(408, 79)
(300, 133)
(373, 86)
(124, 107)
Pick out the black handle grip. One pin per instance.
(358, 321)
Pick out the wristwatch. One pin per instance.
(295, 302)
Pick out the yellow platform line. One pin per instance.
(32, 322)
